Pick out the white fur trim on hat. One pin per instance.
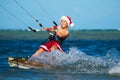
(72, 24)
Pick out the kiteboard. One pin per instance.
(25, 64)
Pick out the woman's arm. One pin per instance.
(50, 29)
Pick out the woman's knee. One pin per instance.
(53, 48)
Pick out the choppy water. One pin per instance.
(82, 60)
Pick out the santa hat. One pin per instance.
(68, 20)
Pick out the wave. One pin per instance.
(76, 61)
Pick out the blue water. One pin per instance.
(82, 60)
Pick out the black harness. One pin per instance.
(56, 38)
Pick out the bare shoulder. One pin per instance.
(67, 32)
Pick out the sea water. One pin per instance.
(82, 60)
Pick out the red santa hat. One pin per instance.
(68, 20)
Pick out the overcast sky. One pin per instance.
(86, 14)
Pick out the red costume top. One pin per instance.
(53, 40)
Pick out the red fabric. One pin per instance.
(49, 44)
(69, 19)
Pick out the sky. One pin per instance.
(86, 14)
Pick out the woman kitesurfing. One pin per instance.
(55, 40)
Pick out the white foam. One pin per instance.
(59, 58)
(76, 59)
(115, 70)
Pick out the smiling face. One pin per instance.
(64, 23)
